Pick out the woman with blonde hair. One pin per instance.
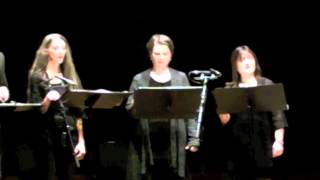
(53, 63)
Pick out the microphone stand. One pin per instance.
(203, 79)
(68, 126)
(202, 103)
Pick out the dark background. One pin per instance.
(109, 49)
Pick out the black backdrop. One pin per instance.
(109, 48)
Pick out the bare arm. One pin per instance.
(80, 149)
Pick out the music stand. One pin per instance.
(95, 99)
(167, 102)
(261, 99)
(90, 99)
(19, 107)
(18, 131)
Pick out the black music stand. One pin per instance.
(260, 99)
(167, 102)
(90, 99)
(93, 99)
(17, 133)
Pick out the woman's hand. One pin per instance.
(277, 149)
(52, 95)
(191, 148)
(4, 94)
(80, 150)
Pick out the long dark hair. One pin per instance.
(235, 55)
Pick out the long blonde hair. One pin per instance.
(41, 60)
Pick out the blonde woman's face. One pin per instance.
(161, 56)
(57, 50)
(246, 64)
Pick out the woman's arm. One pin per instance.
(80, 149)
(130, 101)
(193, 140)
(279, 123)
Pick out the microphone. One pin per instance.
(200, 75)
(66, 80)
(206, 72)
(216, 72)
(198, 72)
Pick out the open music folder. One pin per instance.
(97, 99)
(260, 98)
(167, 102)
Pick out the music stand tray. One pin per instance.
(19, 107)
(167, 102)
(97, 99)
(261, 99)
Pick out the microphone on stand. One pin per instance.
(199, 75)
(66, 80)
(216, 72)
(198, 72)
(206, 72)
(203, 77)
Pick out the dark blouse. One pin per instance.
(253, 133)
(160, 131)
(39, 86)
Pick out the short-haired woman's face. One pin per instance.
(57, 50)
(246, 64)
(160, 56)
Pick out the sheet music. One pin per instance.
(171, 87)
(96, 91)
(17, 106)
(262, 98)
(167, 102)
(98, 99)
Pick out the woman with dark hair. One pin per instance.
(257, 137)
(54, 154)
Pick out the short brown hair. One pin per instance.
(160, 39)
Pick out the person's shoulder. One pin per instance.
(1, 56)
(141, 74)
(230, 84)
(36, 76)
(177, 72)
(264, 81)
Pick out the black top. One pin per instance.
(253, 133)
(160, 131)
(39, 86)
(182, 131)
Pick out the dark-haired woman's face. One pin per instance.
(246, 64)
(161, 56)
